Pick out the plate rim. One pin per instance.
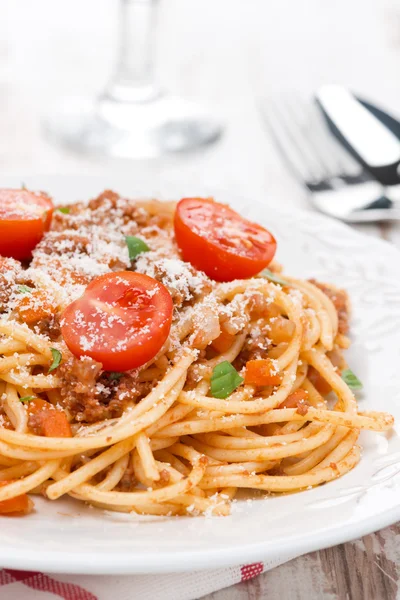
(176, 562)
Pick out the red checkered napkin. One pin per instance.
(26, 585)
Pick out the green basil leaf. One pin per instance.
(272, 277)
(26, 399)
(24, 289)
(351, 379)
(64, 209)
(114, 375)
(135, 246)
(57, 356)
(224, 380)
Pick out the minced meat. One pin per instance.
(91, 395)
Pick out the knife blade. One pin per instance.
(371, 141)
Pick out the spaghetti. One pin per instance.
(246, 391)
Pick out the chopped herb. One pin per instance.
(24, 289)
(351, 379)
(272, 277)
(26, 399)
(57, 356)
(115, 376)
(135, 246)
(64, 209)
(224, 380)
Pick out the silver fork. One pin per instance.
(337, 184)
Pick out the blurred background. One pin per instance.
(226, 54)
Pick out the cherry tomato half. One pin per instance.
(217, 240)
(24, 217)
(122, 320)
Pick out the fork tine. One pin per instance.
(299, 121)
(345, 163)
(304, 139)
(336, 157)
(335, 160)
(320, 142)
(281, 129)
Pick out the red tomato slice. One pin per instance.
(217, 240)
(24, 217)
(122, 320)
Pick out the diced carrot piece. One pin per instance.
(34, 306)
(320, 384)
(223, 342)
(20, 504)
(294, 398)
(51, 421)
(261, 372)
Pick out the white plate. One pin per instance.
(66, 536)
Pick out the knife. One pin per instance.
(370, 134)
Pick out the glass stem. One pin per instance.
(133, 80)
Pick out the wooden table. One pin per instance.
(224, 53)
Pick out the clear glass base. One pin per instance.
(161, 125)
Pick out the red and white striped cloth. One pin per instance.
(26, 585)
